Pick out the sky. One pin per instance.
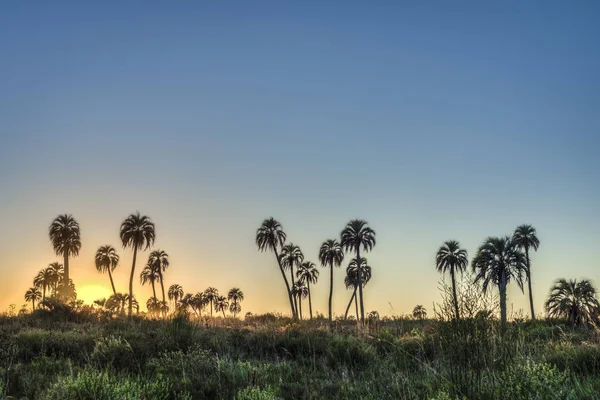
(430, 120)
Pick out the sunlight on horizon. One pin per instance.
(89, 293)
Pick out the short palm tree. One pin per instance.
(291, 256)
(525, 237)
(308, 273)
(57, 272)
(137, 232)
(235, 297)
(211, 295)
(116, 303)
(159, 260)
(300, 291)
(419, 312)
(186, 302)
(497, 262)
(153, 305)
(355, 236)
(332, 254)
(573, 300)
(44, 280)
(65, 236)
(149, 275)
(175, 294)
(198, 302)
(33, 294)
(351, 281)
(99, 303)
(270, 236)
(107, 260)
(221, 304)
(451, 258)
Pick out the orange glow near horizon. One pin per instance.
(89, 293)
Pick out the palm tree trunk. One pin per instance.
(223, 310)
(454, 294)
(309, 300)
(66, 273)
(502, 287)
(32, 305)
(162, 285)
(287, 285)
(211, 307)
(130, 305)
(43, 293)
(111, 280)
(330, 290)
(300, 305)
(350, 303)
(153, 291)
(529, 282)
(295, 297)
(356, 305)
(360, 285)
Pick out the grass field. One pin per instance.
(79, 355)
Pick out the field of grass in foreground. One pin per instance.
(266, 357)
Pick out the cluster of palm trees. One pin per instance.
(356, 236)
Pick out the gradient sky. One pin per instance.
(431, 121)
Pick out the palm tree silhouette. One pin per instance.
(526, 238)
(159, 260)
(301, 291)
(573, 300)
(331, 253)
(149, 275)
(235, 296)
(211, 295)
(107, 260)
(270, 236)
(153, 305)
(352, 281)
(221, 304)
(498, 261)
(33, 294)
(356, 235)
(57, 273)
(291, 256)
(138, 233)
(65, 236)
(100, 303)
(308, 273)
(116, 302)
(45, 280)
(450, 257)
(198, 302)
(175, 294)
(186, 302)
(419, 312)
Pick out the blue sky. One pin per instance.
(431, 121)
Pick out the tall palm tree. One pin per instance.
(149, 275)
(526, 238)
(270, 236)
(211, 295)
(291, 256)
(356, 235)
(450, 257)
(65, 236)
(573, 300)
(175, 293)
(308, 273)
(107, 260)
(301, 291)
(137, 232)
(57, 272)
(235, 296)
(419, 312)
(33, 294)
(351, 281)
(221, 304)
(498, 261)
(332, 254)
(159, 260)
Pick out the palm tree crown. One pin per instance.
(419, 312)
(270, 235)
(573, 300)
(211, 295)
(106, 260)
(175, 292)
(33, 295)
(65, 236)
(307, 272)
(159, 262)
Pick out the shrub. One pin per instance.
(115, 353)
(581, 359)
(30, 379)
(37, 342)
(254, 393)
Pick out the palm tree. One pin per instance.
(33, 294)
(134, 304)
(198, 302)
(291, 256)
(308, 273)
(419, 312)
(65, 236)
(498, 261)
(526, 238)
(351, 281)
(270, 236)
(136, 232)
(175, 293)
(573, 300)
(57, 272)
(107, 260)
(221, 304)
(331, 253)
(44, 279)
(153, 305)
(116, 302)
(356, 235)
(149, 274)
(235, 296)
(100, 303)
(211, 295)
(450, 257)
(159, 260)
(185, 302)
(300, 291)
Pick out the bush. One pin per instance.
(37, 342)
(534, 381)
(31, 379)
(254, 393)
(115, 353)
(581, 359)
